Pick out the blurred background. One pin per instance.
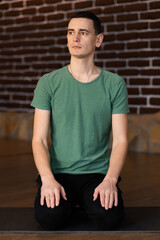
(33, 42)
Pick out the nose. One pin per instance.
(76, 37)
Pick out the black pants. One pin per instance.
(79, 190)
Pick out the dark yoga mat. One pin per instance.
(137, 219)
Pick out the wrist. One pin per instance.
(111, 179)
(47, 178)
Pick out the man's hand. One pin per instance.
(108, 193)
(50, 192)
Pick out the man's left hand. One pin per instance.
(108, 193)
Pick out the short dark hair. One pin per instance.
(93, 17)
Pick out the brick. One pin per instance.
(155, 24)
(63, 57)
(133, 110)
(4, 6)
(22, 20)
(19, 97)
(135, 7)
(104, 3)
(99, 64)
(46, 9)
(127, 17)
(127, 36)
(149, 53)
(155, 101)
(133, 91)
(106, 55)
(8, 21)
(51, 1)
(148, 110)
(12, 13)
(151, 91)
(156, 81)
(21, 28)
(138, 63)
(139, 81)
(127, 55)
(80, 4)
(97, 11)
(115, 64)
(109, 37)
(114, 46)
(137, 45)
(154, 5)
(62, 24)
(17, 4)
(134, 26)
(4, 97)
(107, 19)
(64, 7)
(62, 41)
(13, 59)
(34, 2)
(124, 1)
(128, 72)
(29, 11)
(150, 15)
(137, 101)
(155, 44)
(115, 9)
(151, 72)
(22, 67)
(156, 62)
(115, 27)
(37, 19)
(56, 16)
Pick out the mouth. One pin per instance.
(76, 47)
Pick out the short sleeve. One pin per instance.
(42, 95)
(120, 97)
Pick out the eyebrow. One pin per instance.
(82, 30)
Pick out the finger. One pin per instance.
(102, 199)
(42, 200)
(48, 201)
(116, 199)
(63, 193)
(52, 201)
(111, 200)
(95, 194)
(57, 198)
(107, 198)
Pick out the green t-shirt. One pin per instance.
(81, 118)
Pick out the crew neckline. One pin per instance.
(84, 83)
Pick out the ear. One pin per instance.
(99, 40)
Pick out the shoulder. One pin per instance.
(51, 79)
(112, 80)
(55, 74)
(111, 77)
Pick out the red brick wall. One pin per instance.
(33, 42)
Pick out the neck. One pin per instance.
(83, 70)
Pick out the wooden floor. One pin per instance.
(140, 186)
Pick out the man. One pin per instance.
(82, 103)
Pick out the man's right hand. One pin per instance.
(51, 191)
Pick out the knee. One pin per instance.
(50, 219)
(107, 219)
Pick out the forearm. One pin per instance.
(117, 160)
(42, 159)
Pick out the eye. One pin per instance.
(84, 33)
(70, 32)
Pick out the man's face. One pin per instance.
(81, 37)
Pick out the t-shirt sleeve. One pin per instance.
(42, 95)
(120, 97)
